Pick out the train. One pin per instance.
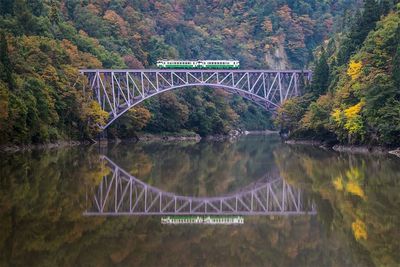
(198, 64)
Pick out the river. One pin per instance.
(44, 198)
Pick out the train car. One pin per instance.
(199, 64)
(218, 64)
(176, 64)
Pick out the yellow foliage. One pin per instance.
(353, 174)
(140, 116)
(354, 69)
(94, 116)
(337, 115)
(338, 183)
(353, 111)
(359, 229)
(353, 118)
(355, 189)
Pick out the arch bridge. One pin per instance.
(120, 193)
(117, 91)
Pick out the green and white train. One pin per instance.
(199, 64)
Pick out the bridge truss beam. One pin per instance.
(120, 193)
(117, 91)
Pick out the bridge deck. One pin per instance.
(193, 70)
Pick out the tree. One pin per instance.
(6, 7)
(369, 18)
(4, 109)
(171, 114)
(362, 25)
(36, 6)
(320, 81)
(54, 16)
(289, 115)
(396, 61)
(354, 69)
(23, 16)
(5, 63)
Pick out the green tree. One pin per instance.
(54, 16)
(6, 69)
(396, 60)
(320, 80)
(6, 7)
(362, 25)
(23, 16)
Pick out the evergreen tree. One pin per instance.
(370, 16)
(54, 16)
(5, 67)
(320, 81)
(36, 6)
(6, 7)
(396, 62)
(385, 6)
(23, 16)
(363, 24)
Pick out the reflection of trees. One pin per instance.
(358, 197)
(204, 168)
(41, 201)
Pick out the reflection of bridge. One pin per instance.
(120, 193)
(117, 91)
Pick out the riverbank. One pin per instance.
(191, 136)
(360, 149)
(29, 147)
(146, 137)
(141, 137)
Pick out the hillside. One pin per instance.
(355, 95)
(43, 43)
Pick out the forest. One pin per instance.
(354, 97)
(355, 94)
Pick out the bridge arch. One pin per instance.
(117, 91)
(120, 193)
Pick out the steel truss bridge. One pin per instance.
(117, 91)
(120, 193)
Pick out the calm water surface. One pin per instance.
(43, 196)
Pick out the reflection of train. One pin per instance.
(199, 64)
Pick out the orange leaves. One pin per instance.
(115, 19)
(293, 27)
(79, 59)
(132, 62)
(285, 13)
(267, 25)
(307, 24)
